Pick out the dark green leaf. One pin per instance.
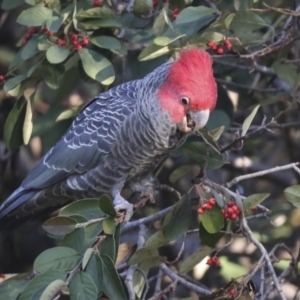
(87, 208)
(209, 239)
(86, 257)
(58, 258)
(10, 4)
(57, 54)
(213, 220)
(35, 16)
(95, 269)
(153, 51)
(101, 23)
(75, 240)
(141, 7)
(292, 194)
(54, 23)
(106, 206)
(13, 82)
(254, 200)
(30, 49)
(108, 247)
(178, 219)
(106, 42)
(180, 172)
(112, 286)
(97, 66)
(40, 282)
(242, 4)
(144, 254)
(52, 289)
(189, 263)
(52, 74)
(12, 287)
(60, 225)
(82, 287)
(196, 151)
(13, 128)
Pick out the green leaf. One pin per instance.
(9, 4)
(75, 240)
(86, 257)
(108, 247)
(213, 220)
(196, 151)
(228, 20)
(28, 125)
(87, 208)
(35, 16)
(55, 22)
(106, 205)
(58, 258)
(40, 282)
(112, 286)
(180, 172)
(95, 269)
(13, 286)
(13, 128)
(82, 287)
(288, 73)
(209, 239)
(249, 120)
(59, 225)
(69, 113)
(30, 49)
(52, 74)
(165, 41)
(109, 226)
(52, 289)
(144, 254)
(254, 200)
(101, 23)
(178, 219)
(96, 13)
(153, 51)
(57, 54)
(13, 82)
(192, 260)
(106, 42)
(142, 7)
(292, 194)
(97, 66)
(242, 4)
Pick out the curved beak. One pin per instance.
(197, 119)
(193, 121)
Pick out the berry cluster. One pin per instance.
(213, 261)
(176, 12)
(219, 48)
(97, 3)
(206, 206)
(29, 34)
(79, 42)
(231, 211)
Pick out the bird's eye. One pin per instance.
(185, 100)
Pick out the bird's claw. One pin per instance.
(122, 205)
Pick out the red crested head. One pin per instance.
(190, 85)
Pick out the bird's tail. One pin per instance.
(15, 200)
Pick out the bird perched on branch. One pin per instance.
(119, 138)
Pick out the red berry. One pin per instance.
(176, 11)
(254, 209)
(209, 262)
(28, 36)
(50, 33)
(2, 78)
(59, 41)
(230, 210)
(74, 37)
(228, 46)
(230, 203)
(204, 206)
(212, 201)
(96, 3)
(232, 292)
(85, 41)
(155, 3)
(214, 47)
(210, 44)
(235, 208)
(32, 29)
(233, 216)
(220, 50)
(44, 29)
(209, 206)
(24, 42)
(75, 43)
(78, 47)
(200, 211)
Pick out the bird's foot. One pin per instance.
(123, 206)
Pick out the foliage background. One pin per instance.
(45, 88)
